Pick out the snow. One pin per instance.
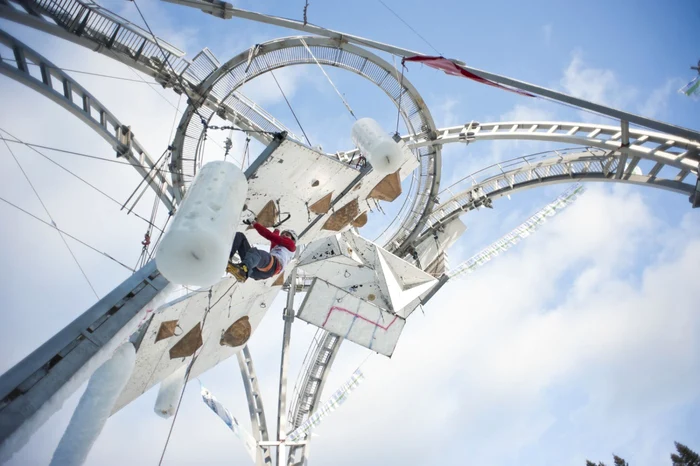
(94, 407)
(169, 393)
(195, 249)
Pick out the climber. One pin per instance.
(256, 263)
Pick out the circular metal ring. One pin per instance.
(250, 64)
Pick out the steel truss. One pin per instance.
(612, 153)
(87, 24)
(220, 85)
(587, 164)
(63, 90)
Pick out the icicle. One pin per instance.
(169, 393)
(94, 407)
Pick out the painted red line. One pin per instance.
(336, 308)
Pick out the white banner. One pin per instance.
(248, 441)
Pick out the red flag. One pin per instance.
(450, 67)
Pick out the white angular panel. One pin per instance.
(365, 186)
(229, 301)
(407, 310)
(341, 274)
(380, 277)
(400, 296)
(342, 314)
(309, 176)
(295, 176)
(319, 250)
(407, 275)
(363, 248)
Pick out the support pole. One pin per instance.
(288, 317)
(255, 406)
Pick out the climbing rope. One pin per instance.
(89, 156)
(51, 218)
(178, 77)
(398, 114)
(187, 377)
(189, 367)
(410, 27)
(246, 152)
(347, 105)
(143, 180)
(160, 235)
(290, 107)
(33, 147)
(50, 225)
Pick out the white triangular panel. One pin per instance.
(327, 267)
(410, 295)
(349, 248)
(406, 274)
(401, 297)
(364, 249)
(391, 285)
(319, 250)
(385, 281)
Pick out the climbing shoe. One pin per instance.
(239, 271)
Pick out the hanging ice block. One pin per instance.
(382, 152)
(195, 249)
(169, 393)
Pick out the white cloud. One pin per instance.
(603, 86)
(594, 84)
(656, 103)
(523, 112)
(480, 369)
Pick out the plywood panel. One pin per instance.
(342, 314)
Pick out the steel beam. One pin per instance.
(288, 316)
(255, 406)
(559, 169)
(327, 348)
(226, 10)
(34, 381)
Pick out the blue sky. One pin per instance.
(574, 345)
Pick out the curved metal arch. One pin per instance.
(634, 145)
(77, 100)
(246, 66)
(553, 167)
(96, 28)
(323, 352)
(661, 147)
(88, 24)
